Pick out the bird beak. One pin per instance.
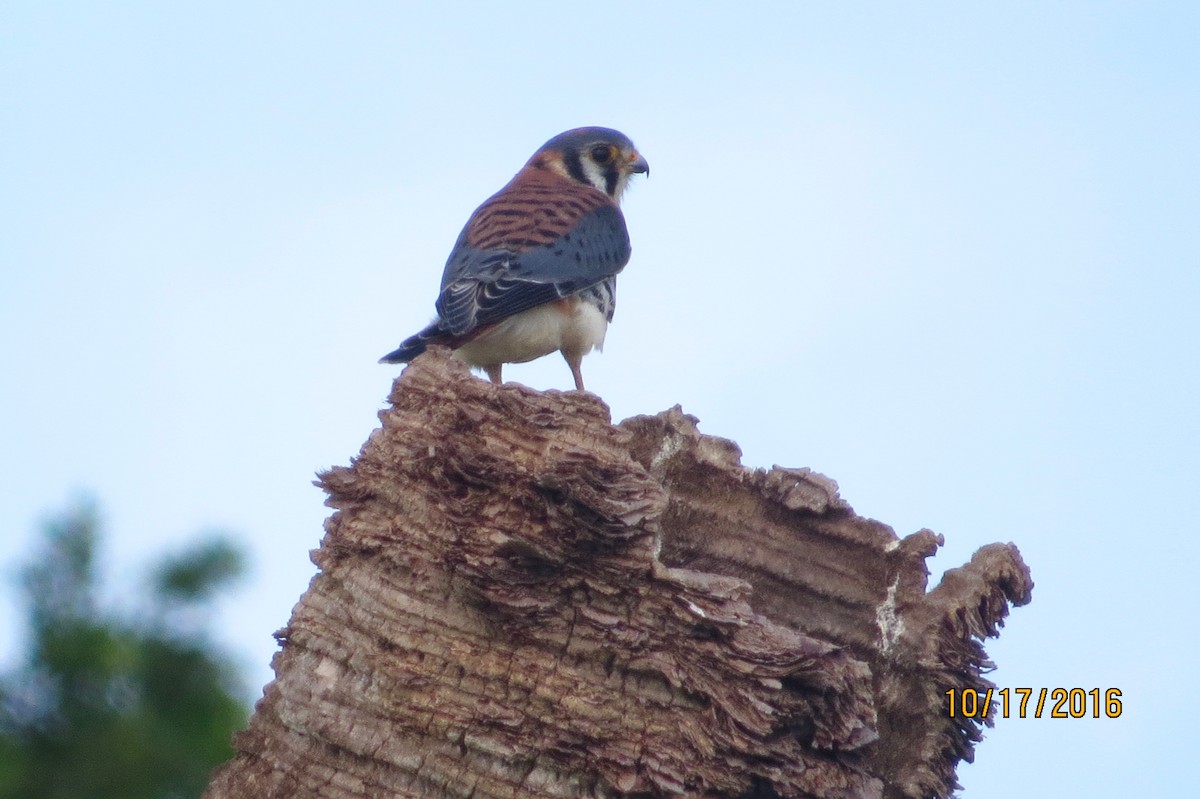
(637, 165)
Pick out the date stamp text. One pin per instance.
(1021, 703)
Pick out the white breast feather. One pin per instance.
(579, 328)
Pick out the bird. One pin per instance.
(534, 269)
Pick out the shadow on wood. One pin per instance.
(517, 598)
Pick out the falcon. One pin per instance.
(534, 270)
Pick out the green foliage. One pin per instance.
(116, 708)
(195, 574)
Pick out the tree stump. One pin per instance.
(517, 598)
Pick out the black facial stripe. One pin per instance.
(575, 166)
(610, 179)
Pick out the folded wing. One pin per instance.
(539, 239)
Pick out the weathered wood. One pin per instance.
(518, 598)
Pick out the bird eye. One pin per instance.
(602, 153)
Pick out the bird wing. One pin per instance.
(539, 239)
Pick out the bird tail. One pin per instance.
(414, 345)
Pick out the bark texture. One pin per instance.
(517, 598)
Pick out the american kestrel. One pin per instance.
(535, 268)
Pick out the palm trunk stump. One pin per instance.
(517, 598)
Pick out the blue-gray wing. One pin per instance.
(484, 284)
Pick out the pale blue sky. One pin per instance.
(945, 253)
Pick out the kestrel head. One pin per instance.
(599, 157)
